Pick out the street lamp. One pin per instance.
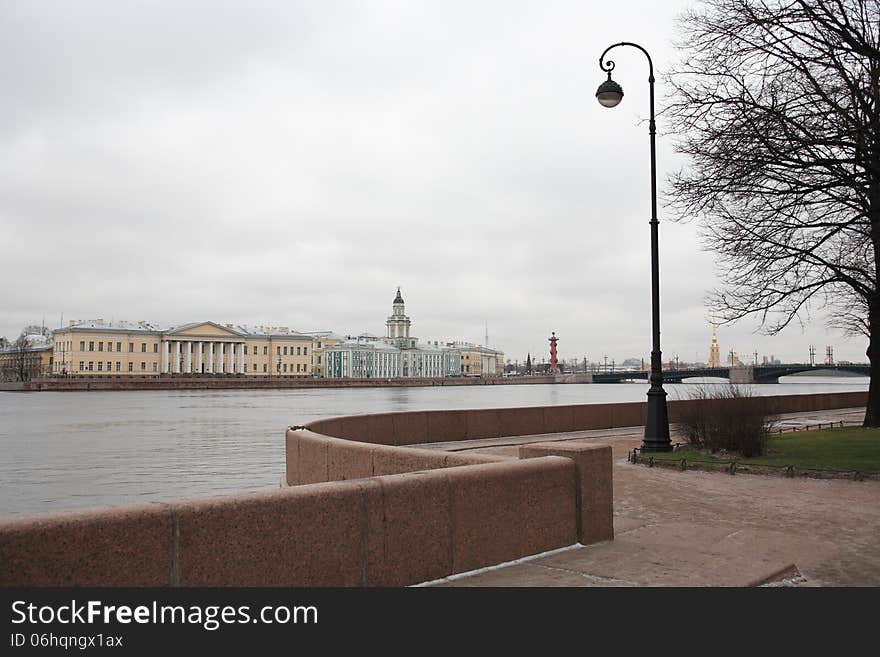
(656, 437)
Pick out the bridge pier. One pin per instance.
(744, 374)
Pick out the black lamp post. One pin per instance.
(656, 437)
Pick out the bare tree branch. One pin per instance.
(776, 104)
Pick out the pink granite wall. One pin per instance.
(388, 530)
(405, 515)
(126, 546)
(313, 457)
(595, 485)
(354, 447)
(417, 427)
(792, 403)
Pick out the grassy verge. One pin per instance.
(848, 449)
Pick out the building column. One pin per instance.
(220, 354)
(230, 367)
(189, 357)
(176, 368)
(210, 363)
(240, 368)
(199, 358)
(165, 353)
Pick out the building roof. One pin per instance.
(384, 344)
(35, 342)
(119, 325)
(398, 298)
(364, 345)
(123, 326)
(273, 331)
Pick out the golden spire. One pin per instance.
(714, 356)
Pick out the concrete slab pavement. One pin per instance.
(698, 528)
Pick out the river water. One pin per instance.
(69, 450)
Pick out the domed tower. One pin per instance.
(398, 325)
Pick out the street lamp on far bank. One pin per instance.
(609, 94)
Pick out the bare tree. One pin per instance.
(21, 362)
(776, 103)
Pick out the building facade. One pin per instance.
(97, 347)
(478, 360)
(120, 348)
(29, 357)
(368, 357)
(400, 355)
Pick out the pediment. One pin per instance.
(204, 330)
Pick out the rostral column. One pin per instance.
(553, 340)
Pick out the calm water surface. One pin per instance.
(68, 450)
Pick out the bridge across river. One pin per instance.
(741, 374)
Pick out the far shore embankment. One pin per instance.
(238, 382)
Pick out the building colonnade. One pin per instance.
(202, 357)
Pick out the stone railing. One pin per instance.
(382, 531)
(364, 506)
(418, 427)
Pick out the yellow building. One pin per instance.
(97, 347)
(477, 360)
(29, 359)
(322, 340)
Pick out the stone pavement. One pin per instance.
(697, 528)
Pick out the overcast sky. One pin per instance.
(292, 163)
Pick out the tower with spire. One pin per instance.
(398, 325)
(714, 355)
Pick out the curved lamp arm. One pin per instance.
(609, 65)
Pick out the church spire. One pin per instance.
(714, 355)
(398, 298)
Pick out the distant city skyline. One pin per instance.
(289, 163)
(689, 356)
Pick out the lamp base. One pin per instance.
(657, 423)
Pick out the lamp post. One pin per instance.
(656, 437)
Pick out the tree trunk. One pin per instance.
(872, 412)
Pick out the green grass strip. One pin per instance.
(851, 449)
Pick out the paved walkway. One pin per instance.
(696, 528)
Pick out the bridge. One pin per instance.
(741, 374)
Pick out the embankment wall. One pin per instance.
(363, 507)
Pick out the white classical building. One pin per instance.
(398, 354)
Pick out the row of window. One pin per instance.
(283, 368)
(305, 351)
(100, 343)
(300, 351)
(90, 366)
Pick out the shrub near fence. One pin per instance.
(728, 418)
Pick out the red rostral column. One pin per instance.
(553, 340)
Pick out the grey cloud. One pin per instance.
(293, 162)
